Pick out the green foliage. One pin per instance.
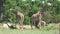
(27, 20)
(28, 8)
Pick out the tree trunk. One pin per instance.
(1, 10)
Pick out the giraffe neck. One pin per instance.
(39, 13)
(44, 9)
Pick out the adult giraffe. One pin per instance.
(36, 18)
(19, 16)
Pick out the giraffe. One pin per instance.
(42, 23)
(36, 18)
(19, 16)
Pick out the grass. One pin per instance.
(34, 31)
(50, 29)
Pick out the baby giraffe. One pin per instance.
(42, 23)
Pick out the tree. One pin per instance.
(1, 9)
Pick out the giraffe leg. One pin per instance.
(39, 25)
(21, 22)
(31, 23)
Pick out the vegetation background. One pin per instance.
(30, 7)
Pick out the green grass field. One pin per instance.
(35, 31)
